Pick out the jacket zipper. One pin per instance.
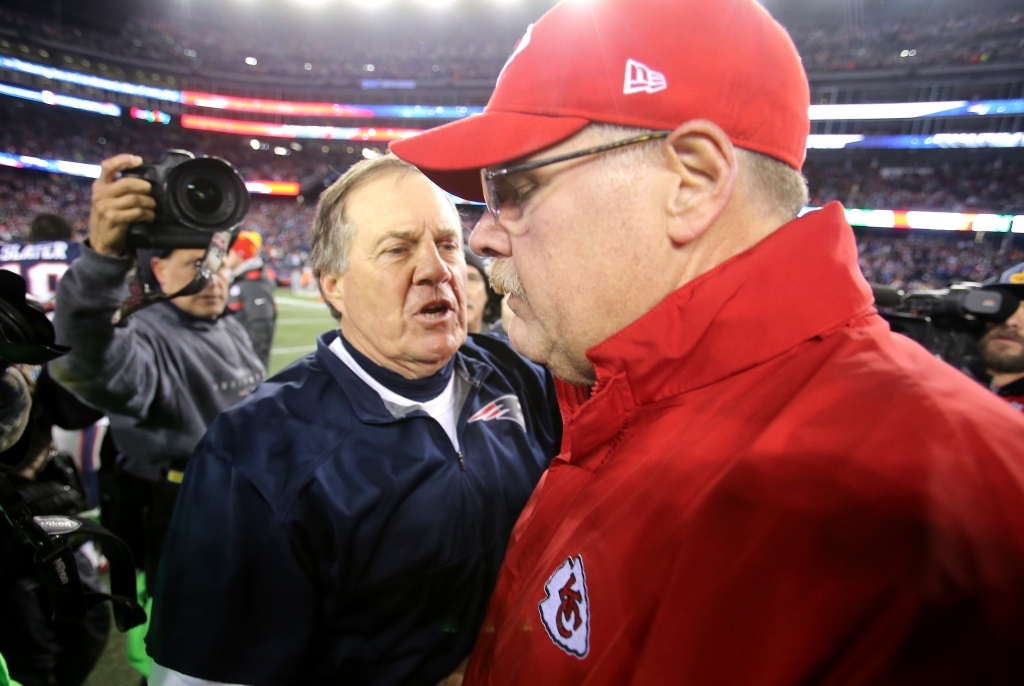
(462, 462)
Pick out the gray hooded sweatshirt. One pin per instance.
(161, 379)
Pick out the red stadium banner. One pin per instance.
(273, 187)
(254, 128)
(311, 109)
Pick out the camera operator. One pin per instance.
(162, 378)
(52, 633)
(1002, 346)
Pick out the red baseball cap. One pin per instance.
(650, 64)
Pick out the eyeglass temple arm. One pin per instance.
(530, 166)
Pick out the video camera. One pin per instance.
(195, 198)
(27, 338)
(947, 322)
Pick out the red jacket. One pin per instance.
(1013, 393)
(766, 486)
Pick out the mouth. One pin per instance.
(435, 311)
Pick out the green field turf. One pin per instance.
(300, 319)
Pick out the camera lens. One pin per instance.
(204, 196)
(207, 193)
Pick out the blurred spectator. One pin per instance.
(251, 295)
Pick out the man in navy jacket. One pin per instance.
(345, 524)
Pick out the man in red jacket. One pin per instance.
(759, 483)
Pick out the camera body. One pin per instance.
(195, 198)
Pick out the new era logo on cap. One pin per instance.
(611, 61)
(642, 79)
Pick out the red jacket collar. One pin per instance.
(801, 281)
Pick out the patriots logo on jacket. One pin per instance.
(506, 407)
(565, 612)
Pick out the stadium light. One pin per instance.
(254, 144)
(371, 4)
(251, 61)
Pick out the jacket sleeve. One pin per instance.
(260, 317)
(234, 601)
(113, 369)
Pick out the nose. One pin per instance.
(431, 269)
(489, 238)
(1016, 321)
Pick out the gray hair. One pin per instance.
(779, 187)
(333, 232)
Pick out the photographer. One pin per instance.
(162, 378)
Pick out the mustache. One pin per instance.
(504, 278)
(1003, 331)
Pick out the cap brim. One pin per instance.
(453, 155)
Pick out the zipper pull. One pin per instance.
(462, 463)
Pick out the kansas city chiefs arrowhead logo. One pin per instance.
(565, 612)
(506, 408)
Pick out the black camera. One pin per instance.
(195, 198)
(26, 335)
(948, 322)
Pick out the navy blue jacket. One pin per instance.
(320, 538)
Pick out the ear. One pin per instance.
(333, 288)
(703, 164)
(159, 268)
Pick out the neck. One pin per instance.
(1003, 379)
(733, 233)
(409, 369)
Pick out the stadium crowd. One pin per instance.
(907, 261)
(473, 49)
(916, 260)
(963, 39)
(994, 185)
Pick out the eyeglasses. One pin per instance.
(506, 198)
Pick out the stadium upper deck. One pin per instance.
(218, 45)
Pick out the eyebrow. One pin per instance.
(413, 235)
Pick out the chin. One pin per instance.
(208, 311)
(442, 346)
(519, 338)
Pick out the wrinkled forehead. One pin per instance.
(404, 202)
